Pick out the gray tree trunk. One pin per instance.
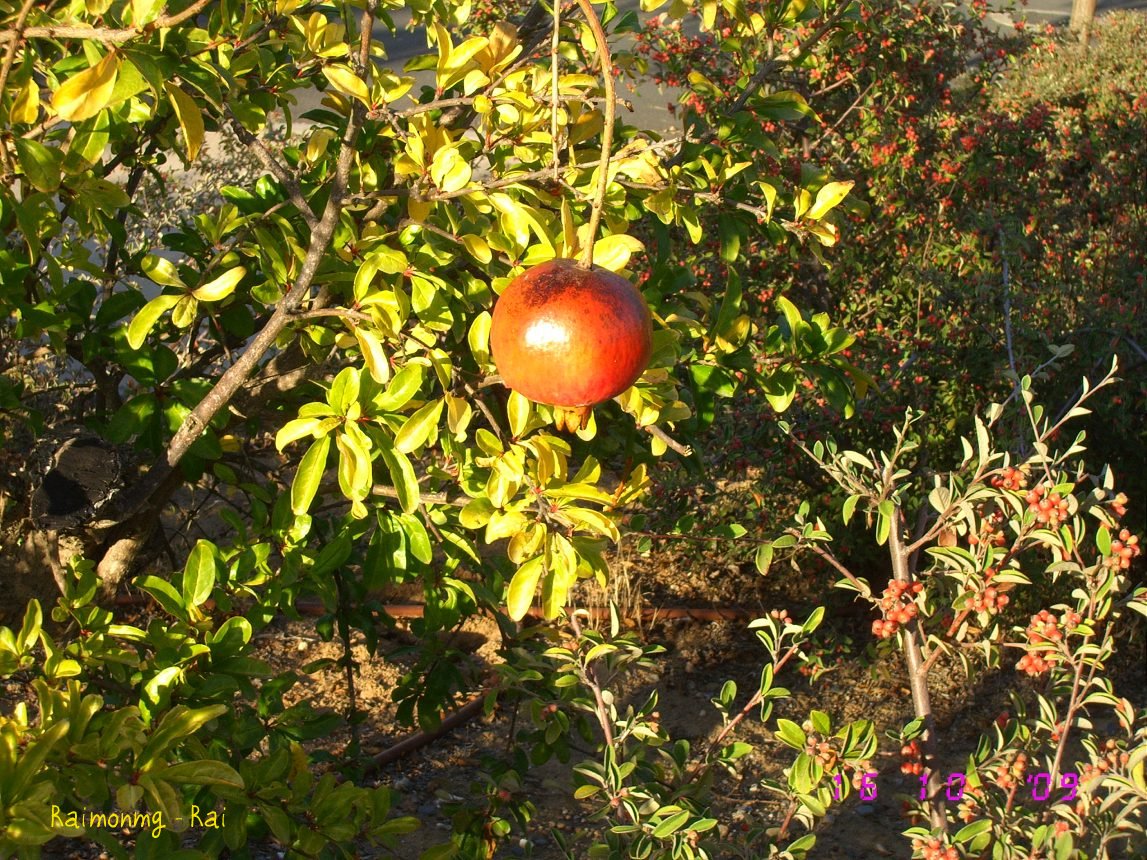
(1082, 17)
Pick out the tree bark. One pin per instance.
(1082, 17)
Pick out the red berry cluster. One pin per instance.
(934, 849)
(1113, 757)
(862, 767)
(991, 530)
(898, 607)
(1123, 550)
(911, 754)
(1010, 478)
(1119, 504)
(1045, 628)
(1010, 773)
(968, 808)
(823, 752)
(989, 599)
(1049, 508)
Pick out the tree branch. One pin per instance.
(268, 160)
(9, 58)
(106, 35)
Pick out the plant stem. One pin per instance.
(606, 132)
(918, 679)
(5, 70)
(348, 660)
(603, 716)
(555, 41)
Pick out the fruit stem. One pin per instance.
(555, 39)
(607, 131)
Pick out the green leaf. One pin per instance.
(786, 105)
(164, 594)
(671, 825)
(764, 558)
(828, 197)
(402, 387)
(345, 81)
(613, 252)
(730, 303)
(790, 734)
(30, 629)
(221, 287)
(344, 390)
(190, 117)
(204, 772)
(372, 355)
(418, 427)
(296, 429)
(85, 94)
(40, 164)
(418, 538)
(971, 831)
(520, 595)
(849, 508)
(813, 621)
(518, 411)
(162, 271)
(310, 473)
(478, 248)
(402, 474)
(199, 574)
(147, 317)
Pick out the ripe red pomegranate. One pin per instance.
(570, 337)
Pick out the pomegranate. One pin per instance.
(570, 337)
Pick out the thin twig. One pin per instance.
(9, 58)
(555, 41)
(591, 680)
(657, 433)
(606, 132)
(267, 159)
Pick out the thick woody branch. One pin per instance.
(106, 35)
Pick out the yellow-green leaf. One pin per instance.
(523, 586)
(479, 337)
(449, 170)
(613, 252)
(801, 202)
(186, 309)
(145, 11)
(295, 429)
(345, 81)
(87, 93)
(221, 287)
(828, 197)
(373, 355)
(518, 411)
(26, 106)
(190, 118)
(162, 271)
(84, 95)
(458, 415)
(310, 473)
(478, 248)
(402, 474)
(147, 317)
(418, 426)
